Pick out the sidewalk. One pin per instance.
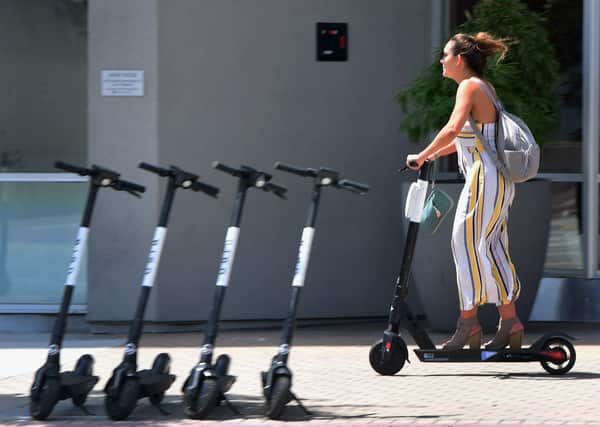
(332, 376)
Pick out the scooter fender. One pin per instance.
(271, 374)
(114, 384)
(538, 345)
(392, 343)
(47, 370)
(197, 376)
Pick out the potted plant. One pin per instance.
(526, 81)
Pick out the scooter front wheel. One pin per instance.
(280, 396)
(565, 349)
(120, 406)
(49, 396)
(197, 404)
(388, 362)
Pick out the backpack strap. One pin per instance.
(499, 107)
(488, 92)
(488, 147)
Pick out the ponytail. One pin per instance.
(476, 49)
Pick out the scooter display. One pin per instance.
(127, 384)
(207, 383)
(49, 384)
(277, 380)
(387, 356)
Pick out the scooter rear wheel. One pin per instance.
(280, 396)
(197, 404)
(49, 397)
(395, 360)
(122, 405)
(566, 348)
(222, 364)
(83, 367)
(161, 365)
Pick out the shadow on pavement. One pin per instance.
(14, 409)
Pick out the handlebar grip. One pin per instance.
(278, 190)
(294, 169)
(224, 168)
(353, 185)
(154, 169)
(122, 185)
(71, 168)
(205, 188)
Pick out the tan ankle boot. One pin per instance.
(510, 332)
(468, 331)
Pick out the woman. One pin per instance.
(484, 271)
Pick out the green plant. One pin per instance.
(526, 80)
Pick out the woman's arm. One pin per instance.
(445, 137)
(444, 151)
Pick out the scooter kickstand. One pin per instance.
(85, 410)
(230, 405)
(161, 409)
(306, 411)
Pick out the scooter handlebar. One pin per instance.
(227, 169)
(295, 169)
(71, 168)
(122, 185)
(205, 188)
(356, 187)
(154, 169)
(276, 189)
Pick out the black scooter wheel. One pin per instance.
(197, 404)
(83, 367)
(161, 365)
(390, 364)
(49, 396)
(122, 405)
(280, 396)
(563, 346)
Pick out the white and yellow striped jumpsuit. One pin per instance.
(484, 270)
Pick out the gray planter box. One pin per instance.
(433, 276)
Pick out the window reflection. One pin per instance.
(565, 243)
(38, 226)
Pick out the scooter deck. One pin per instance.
(482, 355)
(154, 382)
(72, 384)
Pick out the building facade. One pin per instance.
(238, 81)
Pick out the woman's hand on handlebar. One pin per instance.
(414, 161)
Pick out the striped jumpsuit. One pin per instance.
(484, 270)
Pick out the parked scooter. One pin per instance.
(388, 355)
(207, 383)
(277, 380)
(127, 384)
(49, 384)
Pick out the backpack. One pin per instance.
(518, 155)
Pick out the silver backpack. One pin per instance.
(518, 157)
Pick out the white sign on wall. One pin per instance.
(122, 83)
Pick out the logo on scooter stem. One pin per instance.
(206, 350)
(130, 349)
(284, 349)
(53, 350)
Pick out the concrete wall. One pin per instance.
(42, 44)
(238, 82)
(121, 132)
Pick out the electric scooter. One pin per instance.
(207, 383)
(127, 384)
(387, 356)
(277, 380)
(49, 384)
